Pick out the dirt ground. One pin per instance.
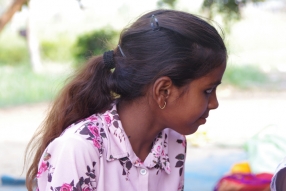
(240, 115)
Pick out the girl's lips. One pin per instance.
(204, 117)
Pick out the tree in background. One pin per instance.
(32, 41)
(229, 10)
(12, 9)
(170, 3)
(93, 43)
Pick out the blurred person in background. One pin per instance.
(279, 179)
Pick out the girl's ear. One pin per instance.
(162, 90)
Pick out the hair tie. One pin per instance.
(108, 59)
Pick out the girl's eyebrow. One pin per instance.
(215, 83)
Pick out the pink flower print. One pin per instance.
(138, 162)
(167, 168)
(163, 153)
(93, 130)
(158, 149)
(66, 187)
(107, 119)
(42, 168)
(184, 143)
(86, 188)
(92, 118)
(96, 143)
(180, 188)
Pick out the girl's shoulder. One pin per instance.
(87, 126)
(85, 134)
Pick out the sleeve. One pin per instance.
(280, 181)
(69, 163)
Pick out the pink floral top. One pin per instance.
(95, 154)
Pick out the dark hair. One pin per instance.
(184, 47)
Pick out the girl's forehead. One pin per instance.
(214, 77)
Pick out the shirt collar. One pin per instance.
(120, 147)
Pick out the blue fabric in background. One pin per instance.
(9, 183)
(203, 174)
(13, 188)
(7, 180)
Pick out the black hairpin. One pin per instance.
(154, 23)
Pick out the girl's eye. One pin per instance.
(209, 91)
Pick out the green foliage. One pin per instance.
(170, 3)
(13, 55)
(245, 76)
(13, 49)
(230, 10)
(19, 85)
(94, 43)
(59, 50)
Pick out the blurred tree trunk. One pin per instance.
(32, 40)
(7, 16)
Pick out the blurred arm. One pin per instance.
(281, 180)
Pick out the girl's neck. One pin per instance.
(140, 126)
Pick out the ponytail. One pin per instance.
(87, 93)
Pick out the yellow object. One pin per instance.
(242, 167)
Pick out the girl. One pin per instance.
(120, 123)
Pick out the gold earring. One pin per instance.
(163, 106)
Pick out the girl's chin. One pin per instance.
(195, 126)
(202, 120)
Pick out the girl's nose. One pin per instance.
(213, 102)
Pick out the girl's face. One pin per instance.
(186, 111)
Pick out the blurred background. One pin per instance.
(43, 41)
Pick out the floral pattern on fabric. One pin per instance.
(181, 188)
(96, 148)
(93, 132)
(180, 162)
(183, 142)
(117, 132)
(44, 166)
(160, 153)
(127, 165)
(83, 184)
(181, 157)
